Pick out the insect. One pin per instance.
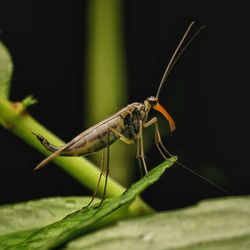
(126, 125)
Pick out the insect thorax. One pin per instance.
(135, 113)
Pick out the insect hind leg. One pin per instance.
(106, 172)
(107, 149)
(98, 182)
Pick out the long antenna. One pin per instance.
(176, 56)
(177, 53)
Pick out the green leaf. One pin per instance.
(85, 220)
(218, 224)
(6, 69)
(20, 220)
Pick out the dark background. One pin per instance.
(207, 92)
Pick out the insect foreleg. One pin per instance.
(158, 142)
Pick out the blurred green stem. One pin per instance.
(106, 75)
(6, 69)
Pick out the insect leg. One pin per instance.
(129, 141)
(139, 159)
(162, 149)
(98, 183)
(140, 153)
(107, 170)
(122, 137)
(158, 142)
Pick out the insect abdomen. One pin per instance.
(96, 139)
(126, 122)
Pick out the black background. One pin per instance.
(207, 92)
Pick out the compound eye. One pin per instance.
(152, 100)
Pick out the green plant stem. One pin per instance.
(6, 69)
(106, 75)
(14, 117)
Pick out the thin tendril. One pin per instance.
(202, 177)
